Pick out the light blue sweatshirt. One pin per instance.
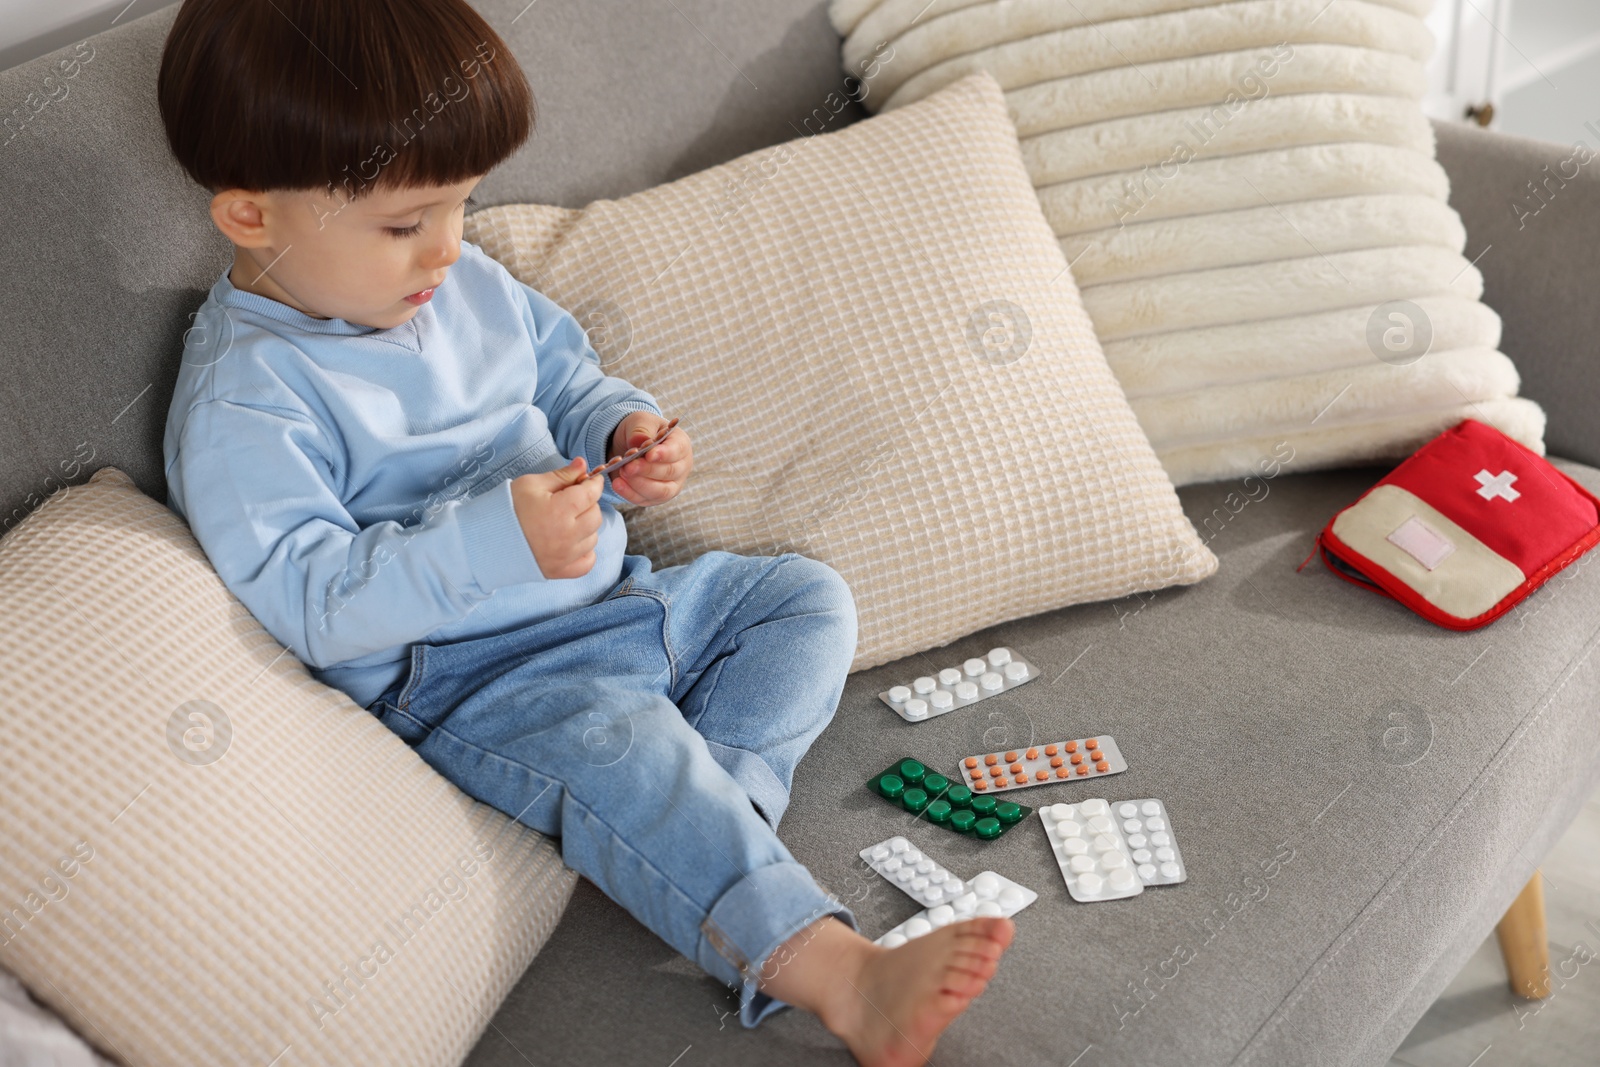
(351, 485)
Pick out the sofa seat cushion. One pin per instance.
(1358, 795)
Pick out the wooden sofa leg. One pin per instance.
(1524, 943)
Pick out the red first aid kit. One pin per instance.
(1464, 529)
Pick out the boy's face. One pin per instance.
(372, 261)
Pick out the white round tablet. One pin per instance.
(949, 676)
(986, 885)
(1156, 823)
(1171, 870)
(916, 926)
(919, 883)
(1016, 671)
(965, 904)
(1075, 846)
(989, 909)
(938, 876)
(904, 875)
(1127, 811)
(967, 691)
(925, 865)
(1069, 829)
(1123, 880)
(1141, 855)
(899, 694)
(1010, 898)
(1080, 864)
(974, 667)
(890, 865)
(999, 657)
(916, 708)
(892, 939)
(881, 853)
(1090, 884)
(1113, 861)
(898, 844)
(1147, 871)
(941, 699)
(1160, 839)
(924, 685)
(943, 915)
(1150, 807)
(1105, 843)
(1132, 826)
(1058, 812)
(1137, 841)
(1165, 853)
(1095, 806)
(991, 680)
(1099, 824)
(954, 888)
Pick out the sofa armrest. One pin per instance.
(1532, 213)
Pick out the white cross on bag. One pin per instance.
(1496, 485)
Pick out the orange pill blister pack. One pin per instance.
(1063, 761)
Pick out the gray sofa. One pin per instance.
(1341, 871)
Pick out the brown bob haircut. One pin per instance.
(350, 95)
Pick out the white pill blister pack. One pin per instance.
(957, 687)
(1148, 834)
(987, 894)
(924, 880)
(1089, 848)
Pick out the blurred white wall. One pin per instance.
(30, 28)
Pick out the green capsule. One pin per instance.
(988, 829)
(963, 820)
(891, 786)
(912, 771)
(914, 799)
(1007, 812)
(983, 805)
(959, 796)
(935, 784)
(939, 812)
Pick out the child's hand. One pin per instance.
(658, 475)
(559, 512)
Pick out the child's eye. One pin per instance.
(409, 231)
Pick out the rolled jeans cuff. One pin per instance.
(749, 924)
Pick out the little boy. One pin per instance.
(369, 439)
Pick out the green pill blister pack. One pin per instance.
(929, 795)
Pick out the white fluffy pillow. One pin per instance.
(1245, 191)
(873, 338)
(206, 855)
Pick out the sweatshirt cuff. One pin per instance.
(497, 550)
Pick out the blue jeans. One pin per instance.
(656, 733)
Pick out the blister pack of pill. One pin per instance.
(987, 894)
(1063, 761)
(1148, 833)
(928, 795)
(1090, 850)
(635, 452)
(923, 878)
(956, 687)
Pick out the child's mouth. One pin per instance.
(421, 298)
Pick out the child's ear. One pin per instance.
(239, 214)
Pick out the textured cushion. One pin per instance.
(1358, 795)
(206, 856)
(872, 338)
(1244, 191)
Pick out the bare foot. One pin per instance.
(901, 999)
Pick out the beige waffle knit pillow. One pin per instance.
(207, 856)
(1248, 195)
(874, 340)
